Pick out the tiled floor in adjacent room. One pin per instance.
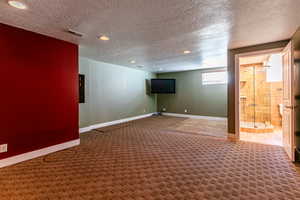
(273, 138)
(146, 160)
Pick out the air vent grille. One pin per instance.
(76, 33)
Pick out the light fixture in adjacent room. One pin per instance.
(132, 61)
(103, 37)
(186, 52)
(17, 4)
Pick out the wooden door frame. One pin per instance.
(233, 86)
(237, 81)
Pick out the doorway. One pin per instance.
(262, 122)
(290, 50)
(261, 98)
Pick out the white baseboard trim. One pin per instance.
(95, 126)
(194, 116)
(85, 129)
(34, 154)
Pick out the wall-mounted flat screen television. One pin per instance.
(163, 86)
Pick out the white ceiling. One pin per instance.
(156, 32)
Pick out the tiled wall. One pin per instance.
(264, 105)
(276, 99)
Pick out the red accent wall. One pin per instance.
(38, 91)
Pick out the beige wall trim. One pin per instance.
(233, 137)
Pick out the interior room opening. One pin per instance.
(261, 98)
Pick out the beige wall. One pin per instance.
(198, 99)
(113, 92)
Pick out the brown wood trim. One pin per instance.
(252, 64)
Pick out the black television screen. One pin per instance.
(162, 86)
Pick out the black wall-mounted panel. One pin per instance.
(81, 88)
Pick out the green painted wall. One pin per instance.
(198, 99)
(113, 92)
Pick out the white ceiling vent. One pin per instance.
(76, 33)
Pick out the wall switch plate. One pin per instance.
(164, 109)
(144, 110)
(3, 148)
(185, 110)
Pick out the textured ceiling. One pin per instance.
(156, 32)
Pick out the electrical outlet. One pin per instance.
(185, 110)
(3, 148)
(164, 109)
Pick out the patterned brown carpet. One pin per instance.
(208, 127)
(216, 128)
(143, 162)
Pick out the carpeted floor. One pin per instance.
(144, 161)
(206, 127)
(216, 127)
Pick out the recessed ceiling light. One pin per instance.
(104, 38)
(186, 52)
(132, 61)
(17, 4)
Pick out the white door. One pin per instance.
(288, 102)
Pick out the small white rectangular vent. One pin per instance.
(76, 33)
